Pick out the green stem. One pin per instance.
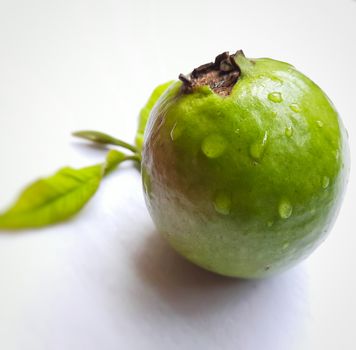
(102, 138)
(115, 158)
(137, 158)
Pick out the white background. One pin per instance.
(106, 280)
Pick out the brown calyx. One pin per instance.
(220, 75)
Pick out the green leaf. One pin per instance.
(53, 199)
(59, 197)
(113, 159)
(100, 137)
(146, 110)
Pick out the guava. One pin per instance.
(244, 165)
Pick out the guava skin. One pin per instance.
(249, 184)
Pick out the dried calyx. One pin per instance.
(220, 76)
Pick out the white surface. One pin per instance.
(106, 280)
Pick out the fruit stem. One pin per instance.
(136, 157)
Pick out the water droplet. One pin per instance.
(320, 123)
(337, 154)
(213, 146)
(275, 97)
(176, 132)
(237, 131)
(269, 223)
(289, 131)
(325, 182)
(222, 203)
(285, 209)
(285, 245)
(257, 149)
(295, 108)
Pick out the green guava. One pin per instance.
(244, 165)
